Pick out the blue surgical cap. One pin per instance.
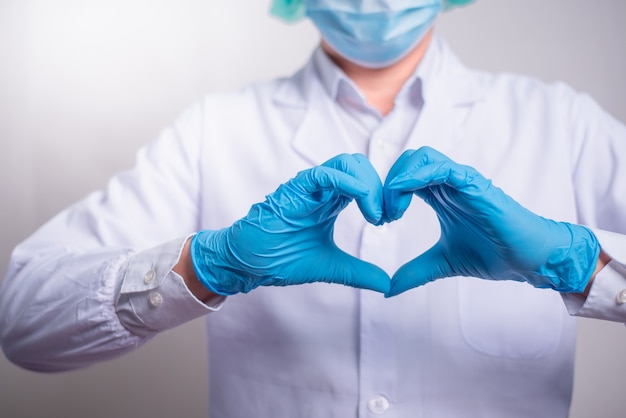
(293, 10)
(288, 10)
(449, 4)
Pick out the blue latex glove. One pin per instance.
(288, 238)
(484, 232)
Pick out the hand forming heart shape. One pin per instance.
(484, 232)
(288, 238)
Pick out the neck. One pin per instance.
(381, 85)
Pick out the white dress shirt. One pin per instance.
(96, 281)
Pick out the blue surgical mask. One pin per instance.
(373, 33)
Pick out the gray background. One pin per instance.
(84, 83)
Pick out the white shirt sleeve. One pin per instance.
(65, 321)
(96, 281)
(154, 298)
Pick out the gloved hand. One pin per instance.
(484, 232)
(288, 238)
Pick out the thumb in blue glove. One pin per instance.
(288, 238)
(484, 232)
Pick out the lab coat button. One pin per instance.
(155, 299)
(620, 299)
(149, 276)
(380, 142)
(378, 405)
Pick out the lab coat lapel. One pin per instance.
(319, 135)
(448, 94)
(436, 127)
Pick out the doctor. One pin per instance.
(453, 173)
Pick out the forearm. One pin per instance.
(603, 260)
(185, 269)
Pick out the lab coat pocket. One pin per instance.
(510, 319)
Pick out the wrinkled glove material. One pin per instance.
(288, 238)
(484, 232)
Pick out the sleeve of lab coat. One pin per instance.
(599, 161)
(95, 281)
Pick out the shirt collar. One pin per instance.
(341, 88)
(335, 82)
(440, 73)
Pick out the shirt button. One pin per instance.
(620, 299)
(149, 276)
(155, 299)
(378, 405)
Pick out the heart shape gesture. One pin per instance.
(484, 232)
(288, 238)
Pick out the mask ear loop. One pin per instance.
(289, 11)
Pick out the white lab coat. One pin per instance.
(455, 347)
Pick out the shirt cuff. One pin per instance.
(607, 296)
(154, 298)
